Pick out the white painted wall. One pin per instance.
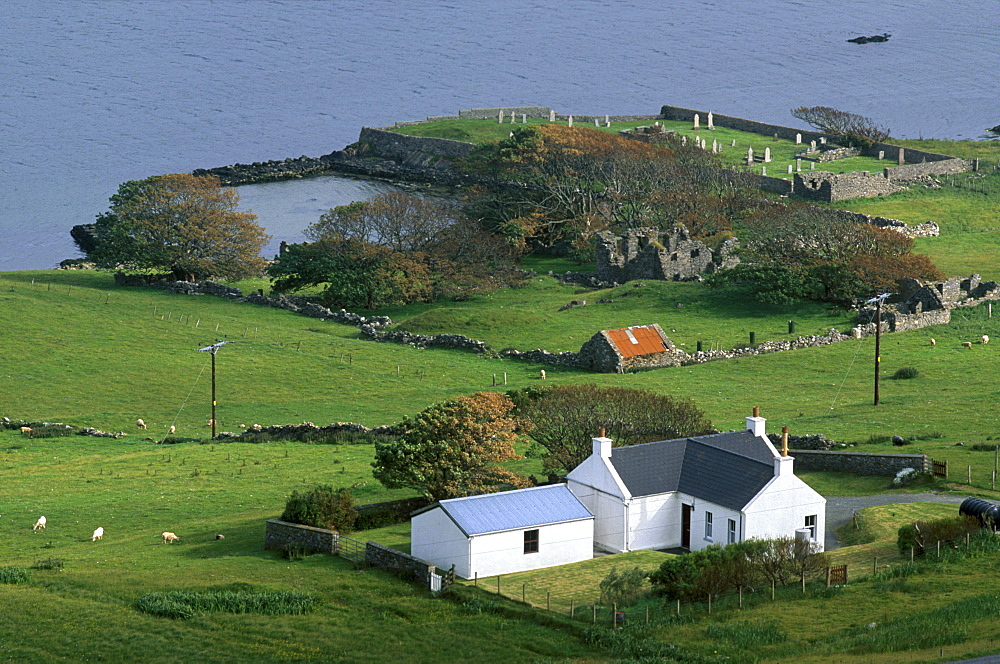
(595, 483)
(434, 537)
(720, 523)
(654, 522)
(558, 544)
(782, 506)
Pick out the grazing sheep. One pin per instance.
(209, 423)
(542, 374)
(220, 537)
(139, 423)
(40, 524)
(26, 430)
(986, 338)
(167, 538)
(172, 430)
(98, 534)
(967, 344)
(933, 342)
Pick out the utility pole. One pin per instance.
(213, 349)
(877, 301)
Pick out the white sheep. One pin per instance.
(933, 342)
(172, 430)
(986, 338)
(542, 374)
(26, 430)
(139, 423)
(967, 344)
(168, 537)
(40, 524)
(98, 534)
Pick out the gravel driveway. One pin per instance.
(840, 509)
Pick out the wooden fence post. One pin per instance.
(498, 584)
(828, 577)
(595, 614)
(678, 608)
(548, 601)
(523, 592)
(970, 473)
(475, 581)
(772, 590)
(875, 566)
(741, 597)
(572, 607)
(647, 614)
(709, 603)
(911, 554)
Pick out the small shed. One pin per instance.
(501, 533)
(629, 348)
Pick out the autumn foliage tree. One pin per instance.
(565, 418)
(183, 223)
(453, 448)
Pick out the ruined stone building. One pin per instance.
(629, 349)
(647, 253)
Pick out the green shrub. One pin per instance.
(49, 563)
(14, 575)
(921, 535)
(905, 373)
(322, 507)
(623, 587)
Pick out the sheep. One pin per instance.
(139, 423)
(986, 338)
(542, 374)
(168, 537)
(40, 524)
(967, 344)
(26, 430)
(98, 534)
(172, 430)
(220, 536)
(933, 342)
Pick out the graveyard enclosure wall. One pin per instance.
(776, 185)
(390, 145)
(279, 534)
(857, 463)
(398, 562)
(740, 124)
(940, 167)
(535, 112)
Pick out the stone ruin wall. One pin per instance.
(858, 463)
(646, 253)
(829, 187)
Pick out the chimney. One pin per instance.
(602, 444)
(784, 441)
(755, 424)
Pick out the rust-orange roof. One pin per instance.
(637, 340)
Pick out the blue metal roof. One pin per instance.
(513, 510)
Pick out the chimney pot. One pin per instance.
(756, 411)
(600, 432)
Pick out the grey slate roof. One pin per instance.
(513, 510)
(727, 469)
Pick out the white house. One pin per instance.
(693, 492)
(500, 533)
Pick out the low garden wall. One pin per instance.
(398, 562)
(280, 534)
(858, 463)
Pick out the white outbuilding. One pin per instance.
(690, 493)
(501, 533)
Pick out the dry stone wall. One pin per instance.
(858, 463)
(279, 535)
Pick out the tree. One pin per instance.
(453, 448)
(849, 127)
(394, 249)
(566, 417)
(182, 223)
(322, 507)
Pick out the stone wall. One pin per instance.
(858, 463)
(279, 534)
(398, 562)
(829, 187)
(400, 147)
(926, 229)
(945, 166)
(741, 124)
(646, 253)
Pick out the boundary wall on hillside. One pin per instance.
(859, 463)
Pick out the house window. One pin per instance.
(811, 525)
(732, 531)
(708, 525)
(531, 541)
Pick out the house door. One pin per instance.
(686, 525)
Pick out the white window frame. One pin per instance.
(732, 531)
(811, 525)
(708, 526)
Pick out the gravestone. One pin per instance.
(734, 143)
(500, 118)
(798, 139)
(711, 120)
(697, 121)
(763, 170)
(902, 157)
(684, 140)
(798, 165)
(569, 123)
(789, 169)
(703, 144)
(822, 140)
(812, 165)
(767, 155)
(513, 119)
(597, 123)
(524, 118)
(881, 155)
(607, 120)
(812, 146)
(749, 156)
(552, 115)
(608, 123)
(715, 146)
